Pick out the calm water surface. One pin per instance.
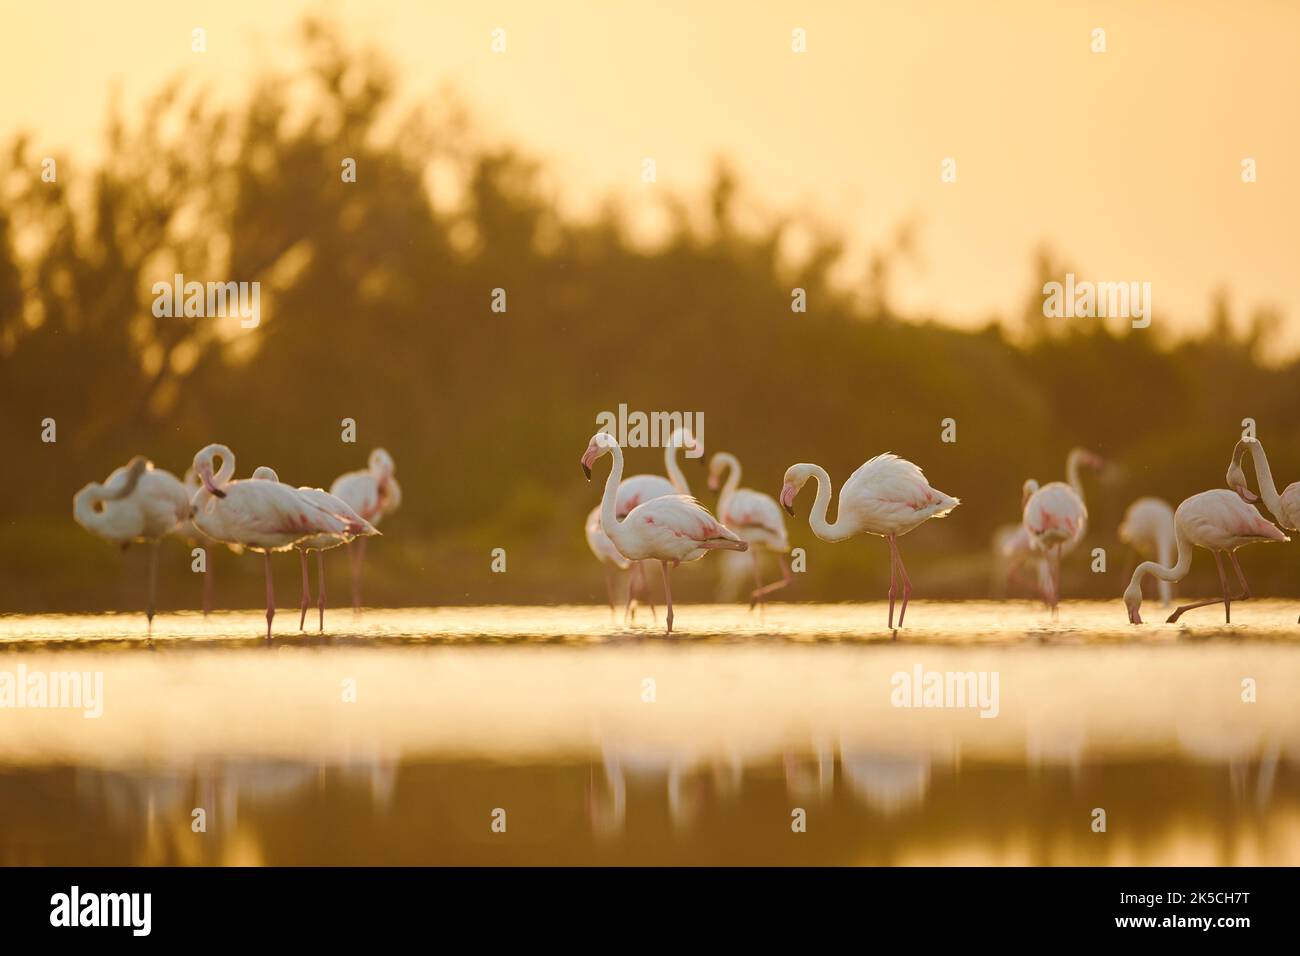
(397, 736)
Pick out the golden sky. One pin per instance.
(1127, 163)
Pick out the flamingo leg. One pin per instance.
(647, 596)
(306, 589)
(609, 589)
(907, 584)
(356, 574)
(320, 587)
(207, 584)
(1055, 565)
(270, 595)
(1223, 583)
(1226, 600)
(893, 577)
(756, 596)
(787, 578)
(634, 576)
(668, 597)
(153, 582)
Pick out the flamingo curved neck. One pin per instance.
(1072, 471)
(732, 464)
(1171, 574)
(83, 507)
(821, 504)
(1264, 475)
(674, 470)
(609, 522)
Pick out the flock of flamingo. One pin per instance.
(139, 502)
(649, 517)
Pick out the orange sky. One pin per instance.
(1127, 162)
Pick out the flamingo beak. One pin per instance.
(206, 475)
(586, 470)
(588, 459)
(713, 482)
(787, 499)
(1247, 494)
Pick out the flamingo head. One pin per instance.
(1237, 482)
(795, 478)
(1092, 460)
(381, 464)
(717, 465)
(1133, 601)
(1027, 492)
(694, 448)
(600, 444)
(203, 468)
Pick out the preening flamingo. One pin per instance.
(259, 514)
(754, 516)
(608, 556)
(1285, 507)
(137, 502)
(1218, 521)
(887, 496)
(638, 489)
(670, 529)
(1056, 517)
(373, 493)
(320, 543)
(1148, 528)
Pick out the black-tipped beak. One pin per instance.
(586, 471)
(219, 493)
(789, 509)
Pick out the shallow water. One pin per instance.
(394, 738)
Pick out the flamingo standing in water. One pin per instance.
(320, 543)
(887, 496)
(259, 514)
(638, 489)
(669, 529)
(754, 516)
(372, 493)
(1056, 517)
(1284, 507)
(1148, 528)
(1218, 521)
(138, 502)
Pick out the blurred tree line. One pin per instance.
(376, 306)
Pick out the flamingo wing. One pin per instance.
(748, 510)
(680, 517)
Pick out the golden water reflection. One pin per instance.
(396, 739)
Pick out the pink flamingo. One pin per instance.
(1218, 521)
(1056, 517)
(754, 516)
(373, 493)
(320, 543)
(137, 502)
(263, 515)
(670, 529)
(887, 496)
(1284, 507)
(638, 489)
(1148, 528)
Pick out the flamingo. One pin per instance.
(756, 517)
(1056, 517)
(670, 529)
(1285, 507)
(137, 502)
(1148, 528)
(195, 538)
(638, 489)
(1218, 521)
(887, 496)
(1011, 548)
(263, 515)
(320, 543)
(372, 493)
(607, 555)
